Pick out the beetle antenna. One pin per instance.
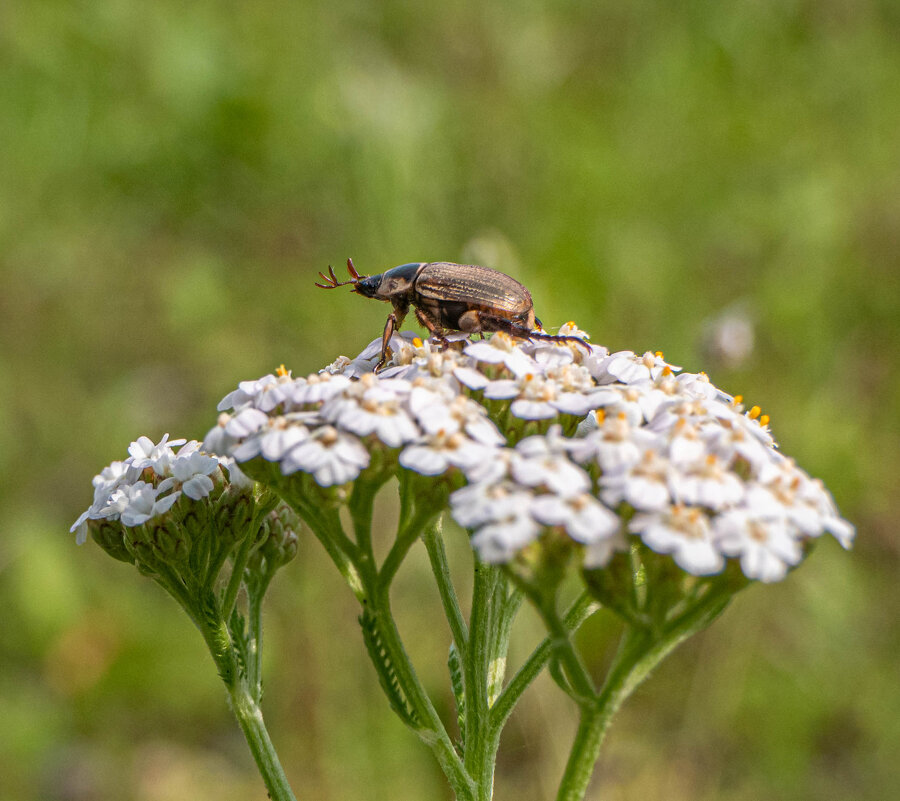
(331, 281)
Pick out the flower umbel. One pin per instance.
(658, 488)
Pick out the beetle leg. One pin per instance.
(560, 338)
(394, 321)
(516, 328)
(434, 328)
(494, 322)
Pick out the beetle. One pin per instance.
(448, 296)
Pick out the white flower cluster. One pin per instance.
(327, 423)
(151, 480)
(699, 478)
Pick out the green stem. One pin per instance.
(374, 593)
(420, 521)
(580, 611)
(250, 719)
(437, 555)
(243, 704)
(480, 740)
(432, 730)
(237, 569)
(326, 526)
(579, 678)
(254, 625)
(640, 652)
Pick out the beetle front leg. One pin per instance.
(394, 321)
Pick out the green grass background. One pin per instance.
(172, 177)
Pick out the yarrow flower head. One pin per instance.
(551, 438)
(150, 481)
(156, 505)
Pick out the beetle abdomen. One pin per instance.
(476, 287)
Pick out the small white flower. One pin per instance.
(585, 519)
(805, 501)
(698, 385)
(318, 387)
(706, 483)
(192, 470)
(460, 414)
(246, 422)
(331, 456)
(533, 396)
(471, 378)
(763, 542)
(683, 532)
(138, 503)
(644, 485)
(499, 541)
(428, 359)
(276, 440)
(730, 439)
(502, 349)
(246, 393)
(159, 456)
(549, 353)
(374, 406)
(436, 453)
(112, 476)
(481, 503)
(217, 439)
(628, 368)
(400, 345)
(617, 399)
(614, 444)
(542, 461)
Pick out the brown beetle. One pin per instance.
(448, 296)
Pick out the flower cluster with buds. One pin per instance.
(159, 505)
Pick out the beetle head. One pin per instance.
(367, 286)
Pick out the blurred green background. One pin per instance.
(172, 177)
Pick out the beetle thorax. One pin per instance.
(397, 282)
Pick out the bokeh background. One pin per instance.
(172, 177)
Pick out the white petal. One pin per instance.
(423, 459)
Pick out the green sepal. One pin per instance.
(110, 537)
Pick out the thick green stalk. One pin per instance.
(430, 728)
(480, 740)
(639, 653)
(580, 611)
(250, 719)
(577, 674)
(246, 710)
(254, 625)
(374, 593)
(437, 556)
